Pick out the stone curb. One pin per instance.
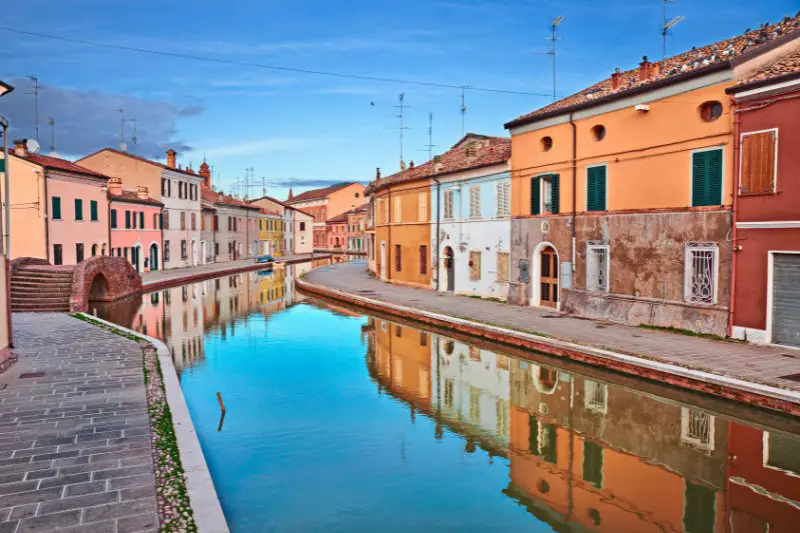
(203, 497)
(757, 394)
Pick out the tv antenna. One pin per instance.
(430, 146)
(122, 145)
(35, 93)
(668, 25)
(52, 123)
(552, 52)
(463, 108)
(402, 127)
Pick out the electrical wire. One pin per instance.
(265, 66)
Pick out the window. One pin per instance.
(133, 219)
(593, 463)
(546, 143)
(423, 338)
(398, 258)
(422, 206)
(58, 258)
(125, 252)
(94, 250)
(503, 198)
(56, 201)
(113, 218)
(423, 259)
(141, 219)
(216, 222)
(700, 277)
(127, 220)
(93, 210)
(397, 213)
(545, 194)
(183, 249)
(699, 513)
(183, 220)
(707, 177)
(595, 396)
(710, 111)
(503, 264)
(759, 152)
(597, 266)
(448, 204)
(155, 221)
(216, 249)
(164, 184)
(697, 429)
(165, 219)
(78, 209)
(475, 265)
(598, 132)
(194, 221)
(596, 188)
(166, 251)
(475, 201)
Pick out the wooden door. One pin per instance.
(548, 278)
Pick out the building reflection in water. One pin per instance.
(590, 455)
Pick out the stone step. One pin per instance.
(42, 275)
(39, 298)
(23, 285)
(40, 308)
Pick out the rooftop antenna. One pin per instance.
(430, 146)
(668, 25)
(133, 137)
(263, 186)
(35, 94)
(122, 146)
(401, 115)
(553, 38)
(52, 123)
(463, 108)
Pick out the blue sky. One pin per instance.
(309, 130)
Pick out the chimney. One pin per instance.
(20, 147)
(291, 195)
(115, 186)
(655, 70)
(616, 79)
(142, 193)
(378, 174)
(437, 163)
(171, 158)
(644, 69)
(411, 165)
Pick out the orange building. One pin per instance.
(324, 204)
(622, 193)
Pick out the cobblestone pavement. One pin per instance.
(763, 364)
(160, 276)
(75, 436)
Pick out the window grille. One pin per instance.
(595, 397)
(697, 429)
(597, 266)
(702, 265)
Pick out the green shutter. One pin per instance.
(536, 192)
(2, 165)
(127, 220)
(141, 220)
(707, 178)
(93, 209)
(113, 218)
(56, 208)
(596, 189)
(78, 209)
(556, 190)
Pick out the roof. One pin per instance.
(471, 152)
(695, 62)
(55, 163)
(315, 194)
(339, 219)
(215, 198)
(132, 197)
(786, 68)
(207, 206)
(144, 160)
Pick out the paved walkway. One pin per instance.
(212, 269)
(74, 441)
(759, 364)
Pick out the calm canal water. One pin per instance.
(341, 422)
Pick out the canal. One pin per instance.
(339, 421)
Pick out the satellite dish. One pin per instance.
(33, 146)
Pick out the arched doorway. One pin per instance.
(153, 256)
(545, 289)
(450, 269)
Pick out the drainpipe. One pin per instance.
(6, 167)
(46, 218)
(438, 221)
(574, 187)
(389, 233)
(734, 239)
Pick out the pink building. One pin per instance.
(136, 222)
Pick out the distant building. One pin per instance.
(297, 225)
(324, 204)
(135, 226)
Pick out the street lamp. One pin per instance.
(4, 90)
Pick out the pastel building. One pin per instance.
(297, 226)
(135, 221)
(177, 188)
(235, 222)
(473, 218)
(59, 208)
(209, 248)
(326, 203)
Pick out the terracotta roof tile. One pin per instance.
(318, 193)
(132, 197)
(472, 151)
(787, 65)
(55, 163)
(145, 160)
(694, 60)
(215, 198)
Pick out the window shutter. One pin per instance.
(78, 209)
(127, 219)
(699, 173)
(707, 178)
(56, 208)
(715, 177)
(141, 219)
(536, 202)
(758, 163)
(596, 189)
(113, 218)
(93, 209)
(556, 191)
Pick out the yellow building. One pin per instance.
(271, 229)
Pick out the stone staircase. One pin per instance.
(41, 288)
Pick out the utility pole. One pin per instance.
(35, 93)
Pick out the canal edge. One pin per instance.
(203, 497)
(731, 388)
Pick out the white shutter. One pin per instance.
(397, 213)
(503, 198)
(475, 201)
(448, 204)
(423, 207)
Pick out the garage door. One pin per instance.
(786, 299)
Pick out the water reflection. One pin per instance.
(499, 442)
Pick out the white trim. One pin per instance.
(537, 379)
(765, 458)
(741, 155)
(536, 272)
(542, 210)
(772, 224)
(690, 203)
(687, 290)
(607, 249)
(772, 87)
(586, 187)
(753, 335)
(693, 442)
(770, 287)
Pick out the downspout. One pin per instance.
(47, 219)
(735, 191)
(108, 218)
(574, 188)
(389, 233)
(438, 222)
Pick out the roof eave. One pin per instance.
(757, 84)
(437, 175)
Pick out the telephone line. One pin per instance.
(264, 66)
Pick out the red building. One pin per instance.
(765, 307)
